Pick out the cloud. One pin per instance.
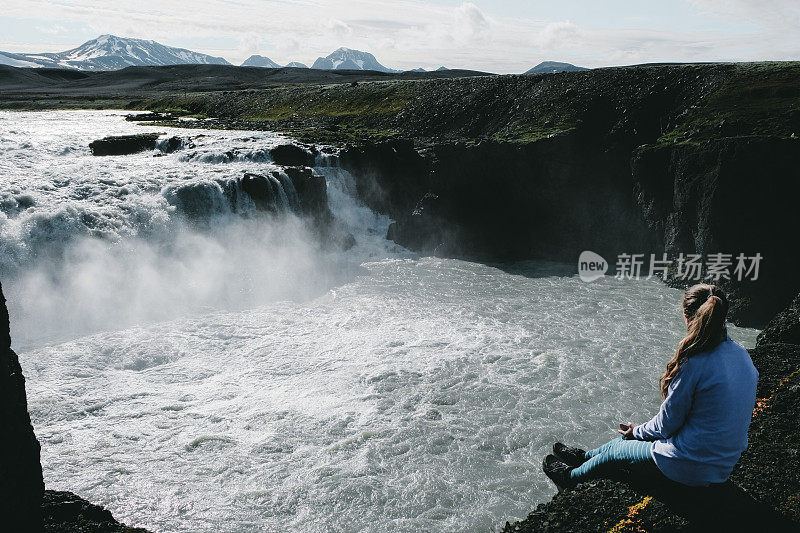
(338, 28)
(249, 43)
(469, 24)
(559, 34)
(52, 30)
(409, 33)
(772, 15)
(288, 45)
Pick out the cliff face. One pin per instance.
(504, 201)
(733, 195)
(21, 483)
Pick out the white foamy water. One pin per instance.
(239, 378)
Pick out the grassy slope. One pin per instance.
(655, 104)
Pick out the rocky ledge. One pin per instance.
(763, 493)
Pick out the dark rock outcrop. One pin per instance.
(503, 201)
(170, 144)
(21, 483)
(312, 191)
(124, 144)
(556, 197)
(730, 196)
(784, 327)
(150, 117)
(65, 512)
(292, 155)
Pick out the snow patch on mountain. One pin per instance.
(349, 59)
(109, 52)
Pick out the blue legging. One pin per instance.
(612, 457)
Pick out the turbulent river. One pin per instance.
(228, 373)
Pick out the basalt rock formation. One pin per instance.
(734, 196)
(131, 144)
(292, 155)
(556, 197)
(503, 201)
(646, 160)
(21, 483)
(124, 144)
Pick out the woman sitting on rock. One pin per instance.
(709, 392)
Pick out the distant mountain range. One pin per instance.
(109, 52)
(548, 67)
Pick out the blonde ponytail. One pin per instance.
(705, 307)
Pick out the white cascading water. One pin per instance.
(228, 374)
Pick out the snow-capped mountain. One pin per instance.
(296, 64)
(260, 61)
(347, 59)
(109, 52)
(549, 67)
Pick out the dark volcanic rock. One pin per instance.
(171, 144)
(149, 117)
(312, 191)
(21, 484)
(65, 512)
(124, 144)
(291, 155)
(504, 201)
(553, 198)
(716, 198)
(784, 327)
(391, 176)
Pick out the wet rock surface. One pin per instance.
(124, 144)
(714, 197)
(65, 512)
(21, 484)
(784, 327)
(292, 155)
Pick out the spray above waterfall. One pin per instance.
(91, 243)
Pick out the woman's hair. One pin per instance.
(705, 308)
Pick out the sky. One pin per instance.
(502, 36)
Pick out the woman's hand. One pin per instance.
(626, 430)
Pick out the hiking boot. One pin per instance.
(574, 457)
(558, 472)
